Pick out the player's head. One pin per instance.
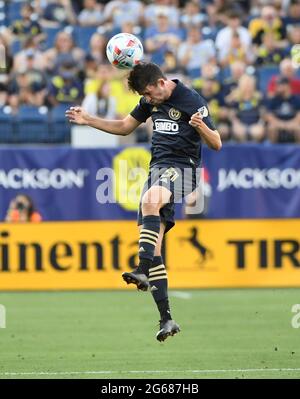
(148, 80)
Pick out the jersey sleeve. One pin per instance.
(141, 112)
(198, 104)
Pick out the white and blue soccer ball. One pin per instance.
(124, 51)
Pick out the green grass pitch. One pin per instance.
(225, 334)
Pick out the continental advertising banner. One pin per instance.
(244, 181)
(198, 254)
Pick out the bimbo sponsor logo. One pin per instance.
(248, 178)
(166, 126)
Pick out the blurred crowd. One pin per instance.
(242, 56)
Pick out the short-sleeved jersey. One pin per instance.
(174, 139)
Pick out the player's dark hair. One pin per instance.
(144, 74)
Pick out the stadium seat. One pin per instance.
(16, 46)
(264, 75)
(82, 36)
(60, 128)
(6, 126)
(33, 124)
(194, 73)
(14, 10)
(3, 19)
(50, 37)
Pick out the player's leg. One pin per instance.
(158, 281)
(152, 201)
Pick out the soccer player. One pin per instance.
(181, 122)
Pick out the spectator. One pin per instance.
(30, 53)
(22, 209)
(192, 16)
(98, 47)
(104, 73)
(65, 88)
(101, 103)
(236, 52)
(125, 99)
(243, 6)
(116, 12)
(287, 70)
(64, 46)
(210, 71)
(56, 13)
(125, 102)
(210, 89)
(268, 53)
(36, 76)
(245, 103)
(194, 52)
(170, 65)
(225, 36)
(92, 14)
(283, 115)
(293, 14)
(127, 27)
(24, 92)
(89, 70)
(18, 91)
(236, 71)
(294, 38)
(27, 27)
(161, 38)
(214, 22)
(156, 7)
(269, 21)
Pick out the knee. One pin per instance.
(154, 199)
(150, 203)
(149, 207)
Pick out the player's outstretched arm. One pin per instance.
(121, 127)
(210, 137)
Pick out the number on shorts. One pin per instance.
(170, 173)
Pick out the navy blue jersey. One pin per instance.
(173, 138)
(284, 108)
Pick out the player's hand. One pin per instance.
(196, 120)
(77, 115)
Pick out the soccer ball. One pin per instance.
(124, 50)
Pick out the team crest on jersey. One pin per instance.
(174, 114)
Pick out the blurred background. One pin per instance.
(242, 56)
